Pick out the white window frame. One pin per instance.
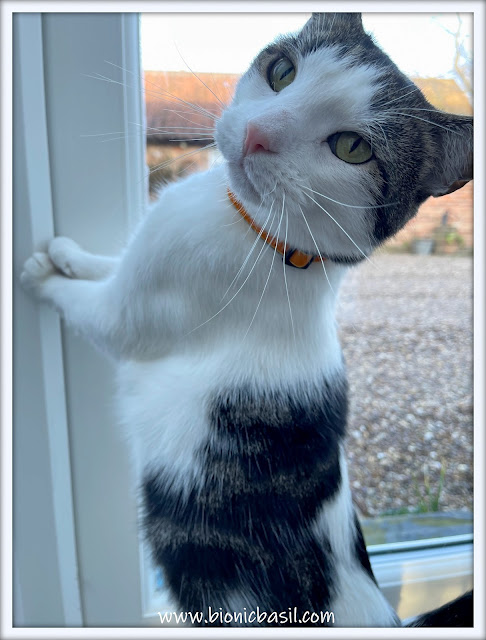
(77, 558)
(76, 548)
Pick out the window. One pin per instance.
(75, 532)
(77, 555)
(410, 434)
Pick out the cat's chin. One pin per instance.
(241, 184)
(243, 188)
(253, 182)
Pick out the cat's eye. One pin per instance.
(281, 73)
(350, 147)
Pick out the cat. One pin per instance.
(221, 316)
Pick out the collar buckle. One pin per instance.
(298, 259)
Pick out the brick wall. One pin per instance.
(459, 209)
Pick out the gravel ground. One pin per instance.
(406, 330)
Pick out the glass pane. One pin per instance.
(405, 315)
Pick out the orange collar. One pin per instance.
(293, 257)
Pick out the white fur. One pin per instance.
(335, 522)
(359, 601)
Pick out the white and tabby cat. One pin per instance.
(231, 380)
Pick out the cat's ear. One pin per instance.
(327, 22)
(452, 162)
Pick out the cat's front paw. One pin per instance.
(66, 254)
(37, 269)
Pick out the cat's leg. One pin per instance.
(74, 262)
(91, 307)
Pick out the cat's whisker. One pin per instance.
(374, 127)
(111, 136)
(184, 155)
(259, 207)
(123, 134)
(176, 129)
(343, 230)
(378, 123)
(264, 246)
(259, 235)
(185, 168)
(201, 81)
(98, 135)
(193, 109)
(400, 97)
(230, 224)
(269, 272)
(160, 132)
(318, 251)
(192, 112)
(434, 124)
(99, 76)
(164, 92)
(215, 160)
(124, 137)
(114, 137)
(267, 194)
(369, 130)
(161, 89)
(160, 93)
(198, 125)
(418, 109)
(187, 112)
(352, 206)
(196, 128)
(285, 274)
(191, 139)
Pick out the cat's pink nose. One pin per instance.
(256, 140)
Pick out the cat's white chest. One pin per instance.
(164, 404)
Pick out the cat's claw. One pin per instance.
(64, 253)
(36, 270)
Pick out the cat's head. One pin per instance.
(326, 134)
